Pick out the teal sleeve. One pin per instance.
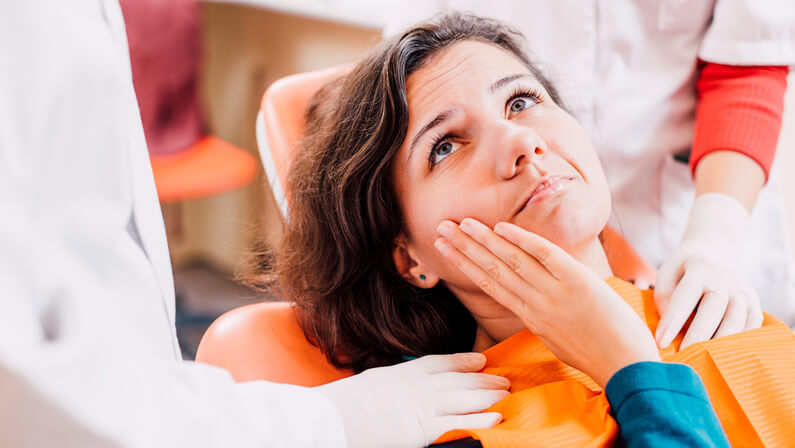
(662, 405)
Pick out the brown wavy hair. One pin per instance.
(335, 258)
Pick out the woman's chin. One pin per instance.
(565, 231)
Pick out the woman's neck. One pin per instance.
(496, 323)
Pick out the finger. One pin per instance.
(668, 278)
(480, 255)
(711, 311)
(551, 257)
(468, 381)
(467, 421)
(735, 318)
(755, 317)
(484, 280)
(683, 302)
(517, 260)
(643, 283)
(459, 362)
(456, 402)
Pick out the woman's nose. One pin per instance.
(518, 147)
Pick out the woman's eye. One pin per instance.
(442, 150)
(519, 104)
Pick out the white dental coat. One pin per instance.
(627, 70)
(88, 351)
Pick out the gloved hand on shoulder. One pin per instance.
(413, 403)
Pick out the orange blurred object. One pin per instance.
(165, 54)
(208, 167)
(281, 122)
(263, 341)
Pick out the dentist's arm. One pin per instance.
(74, 373)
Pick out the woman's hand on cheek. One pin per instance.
(575, 313)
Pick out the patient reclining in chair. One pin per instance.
(445, 201)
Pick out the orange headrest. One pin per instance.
(263, 341)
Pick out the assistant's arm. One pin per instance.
(738, 119)
(659, 405)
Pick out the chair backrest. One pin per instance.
(281, 121)
(264, 341)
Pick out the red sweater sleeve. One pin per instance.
(739, 109)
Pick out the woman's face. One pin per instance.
(486, 141)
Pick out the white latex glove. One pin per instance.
(704, 274)
(413, 403)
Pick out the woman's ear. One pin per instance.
(409, 267)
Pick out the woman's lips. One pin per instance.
(546, 188)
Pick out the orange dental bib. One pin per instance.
(749, 377)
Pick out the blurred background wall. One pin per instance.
(246, 45)
(246, 49)
(785, 157)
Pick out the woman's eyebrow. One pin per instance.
(439, 119)
(502, 82)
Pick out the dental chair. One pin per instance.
(264, 341)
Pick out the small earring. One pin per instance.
(422, 277)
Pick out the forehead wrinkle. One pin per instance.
(432, 84)
(418, 92)
(413, 91)
(433, 60)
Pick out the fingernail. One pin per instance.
(441, 245)
(444, 229)
(664, 342)
(475, 358)
(467, 226)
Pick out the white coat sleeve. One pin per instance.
(73, 375)
(86, 351)
(751, 32)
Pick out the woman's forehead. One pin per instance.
(467, 63)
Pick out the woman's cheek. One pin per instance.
(422, 223)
